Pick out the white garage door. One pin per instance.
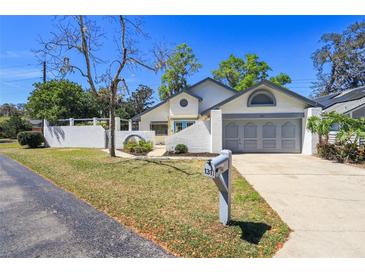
(268, 135)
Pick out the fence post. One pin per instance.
(95, 120)
(72, 122)
(130, 125)
(117, 123)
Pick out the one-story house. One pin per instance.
(210, 116)
(351, 102)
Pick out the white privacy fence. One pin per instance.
(332, 138)
(90, 136)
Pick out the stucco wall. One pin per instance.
(75, 136)
(191, 110)
(284, 103)
(120, 137)
(196, 137)
(211, 93)
(216, 124)
(309, 140)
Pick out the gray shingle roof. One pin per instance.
(341, 97)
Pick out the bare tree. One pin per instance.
(80, 35)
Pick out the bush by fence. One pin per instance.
(30, 138)
(347, 146)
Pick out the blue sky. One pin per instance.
(284, 42)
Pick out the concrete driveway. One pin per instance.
(322, 202)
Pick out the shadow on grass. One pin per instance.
(155, 162)
(251, 232)
(161, 163)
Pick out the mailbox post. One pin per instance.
(220, 170)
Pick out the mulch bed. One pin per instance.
(203, 154)
(133, 153)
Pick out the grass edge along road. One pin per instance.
(169, 202)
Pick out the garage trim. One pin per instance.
(262, 115)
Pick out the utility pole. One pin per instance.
(44, 72)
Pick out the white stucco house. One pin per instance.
(210, 116)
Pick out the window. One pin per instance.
(160, 129)
(180, 125)
(261, 98)
(183, 103)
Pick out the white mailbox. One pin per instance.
(219, 169)
(216, 166)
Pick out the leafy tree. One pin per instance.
(60, 99)
(10, 127)
(139, 101)
(181, 64)
(241, 74)
(340, 62)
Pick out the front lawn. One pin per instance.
(9, 143)
(169, 202)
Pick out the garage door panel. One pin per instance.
(231, 130)
(269, 130)
(269, 144)
(250, 145)
(232, 145)
(288, 144)
(288, 130)
(262, 135)
(250, 130)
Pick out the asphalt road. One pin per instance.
(38, 219)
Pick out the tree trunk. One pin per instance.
(113, 91)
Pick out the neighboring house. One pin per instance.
(351, 102)
(210, 116)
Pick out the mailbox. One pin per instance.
(216, 166)
(219, 169)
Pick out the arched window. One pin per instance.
(261, 98)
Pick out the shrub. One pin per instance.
(181, 148)
(326, 151)
(30, 138)
(138, 147)
(341, 153)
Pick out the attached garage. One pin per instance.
(267, 135)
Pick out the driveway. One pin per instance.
(38, 219)
(322, 202)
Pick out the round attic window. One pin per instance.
(183, 102)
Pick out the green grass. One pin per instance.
(9, 143)
(169, 202)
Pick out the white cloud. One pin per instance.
(7, 74)
(11, 54)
